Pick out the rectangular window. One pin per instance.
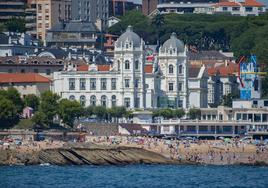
(180, 87)
(249, 9)
(224, 8)
(113, 83)
(82, 84)
(180, 103)
(126, 83)
(71, 84)
(265, 103)
(103, 83)
(127, 66)
(137, 103)
(127, 102)
(92, 83)
(236, 8)
(48, 72)
(137, 83)
(137, 65)
(170, 86)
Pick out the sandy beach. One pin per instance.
(216, 152)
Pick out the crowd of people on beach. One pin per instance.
(233, 151)
(224, 151)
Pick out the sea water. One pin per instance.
(133, 176)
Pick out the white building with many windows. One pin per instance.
(132, 83)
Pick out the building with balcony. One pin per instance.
(12, 8)
(120, 7)
(186, 6)
(91, 10)
(30, 18)
(131, 82)
(231, 7)
(240, 8)
(49, 14)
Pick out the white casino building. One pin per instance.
(129, 82)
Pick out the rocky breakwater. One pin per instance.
(80, 155)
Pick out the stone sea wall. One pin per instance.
(84, 156)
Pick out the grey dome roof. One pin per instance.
(130, 36)
(173, 42)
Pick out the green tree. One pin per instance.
(128, 114)
(179, 113)
(32, 101)
(8, 113)
(39, 120)
(194, 113)
(49, 106)
(100, 112)
(227, 100)
(69, 110)
(158, 21)
(16, 25)
(89, 111)
(13, 95)
(117, 112)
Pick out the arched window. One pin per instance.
(127, 65)
(93, 100)
(170, 69)
(113, 101)
(83, 100)
(136, 64)
(103, 100)
(180, 69)
(72, 98)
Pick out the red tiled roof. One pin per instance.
(103, 67)
(82, 68)
(227, 4)
(248, 3)
(148, 69)
(230, 69)
(23, 78)
(252, 3)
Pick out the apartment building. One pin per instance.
(90, 10)
(50, 13)
(148, 6)
(30, 17)
(11, 8)
(120, 7)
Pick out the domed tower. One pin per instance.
(129, 59)
(173, 67)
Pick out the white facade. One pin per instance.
(239, 9)
(233, 7)
(131, 83)
(174, 73)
